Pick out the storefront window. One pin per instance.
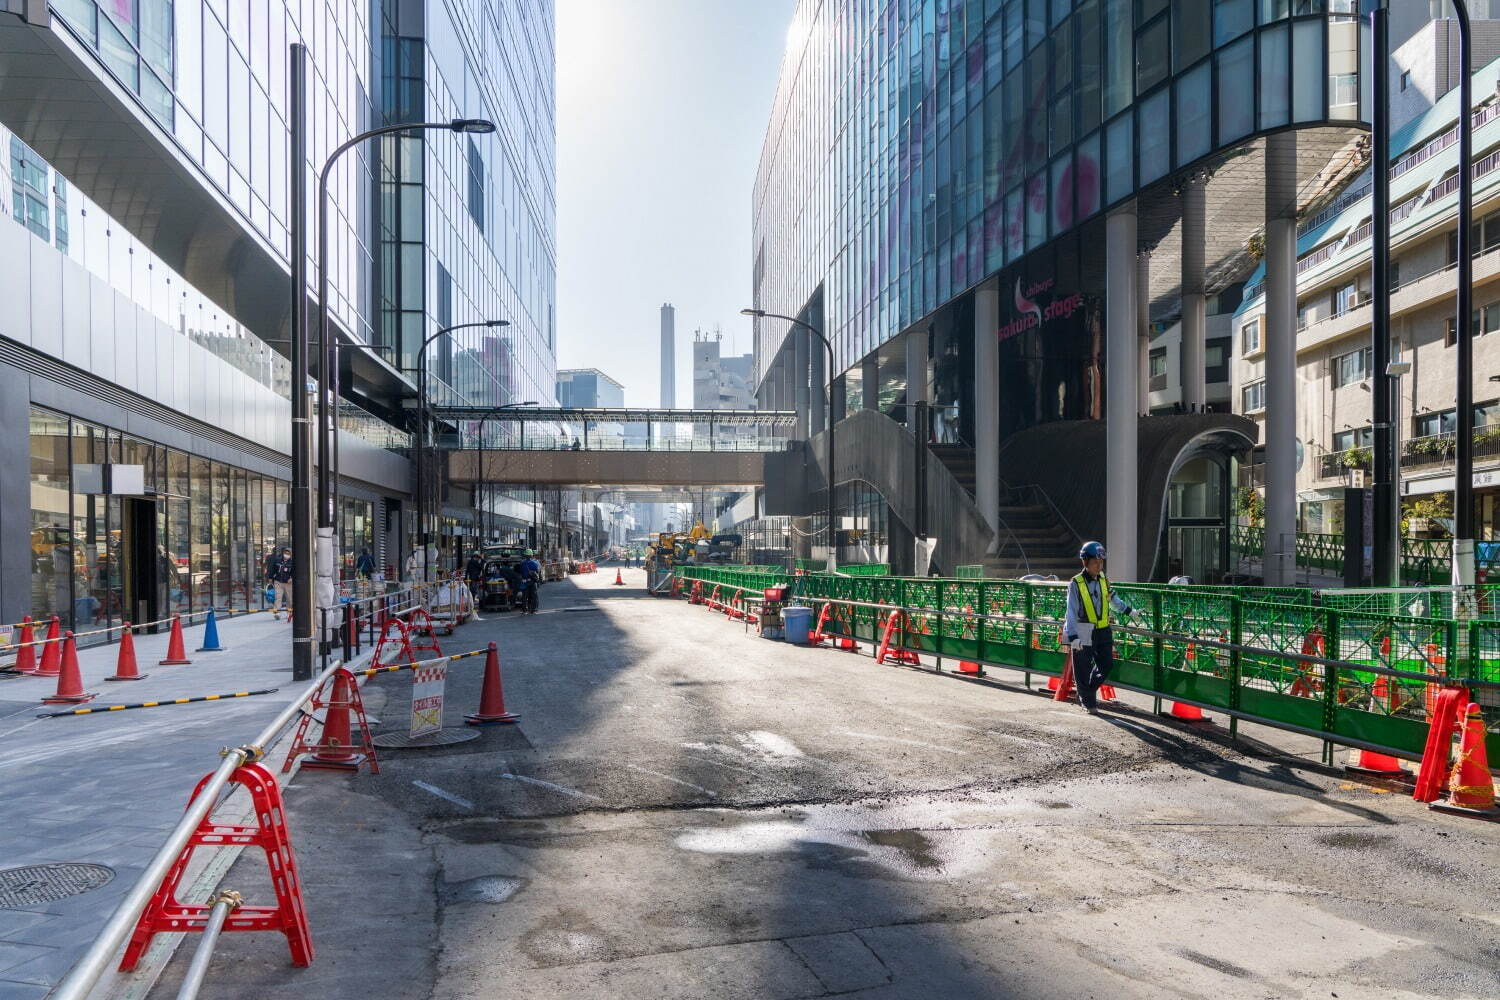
(202, 556)
(51, 548)
(90, 534)
(223, 538)
(179, 539)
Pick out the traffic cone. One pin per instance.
(1368, 761)
(1062, 687)
(211, 635)
(619, 580)
(1471, 787)
(970, 668)
(69, 679)
(1188, 713)
(52, 651)
(125, 667)
(334, 752)
(491, 695)
(26, 652)
(176, 654)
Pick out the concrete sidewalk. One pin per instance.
(106, 789)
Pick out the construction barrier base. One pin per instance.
(166, 915)
(330, 754)
(1445, 807)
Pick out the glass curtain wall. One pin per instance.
(215, 526)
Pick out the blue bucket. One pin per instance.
(798, 624)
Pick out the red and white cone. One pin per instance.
(492, 695)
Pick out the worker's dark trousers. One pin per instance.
(1091, 666)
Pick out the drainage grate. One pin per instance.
(441, 738)
(34, 884)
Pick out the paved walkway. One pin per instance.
(106, 789)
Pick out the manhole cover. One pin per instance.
(34, 884)
(441, 738)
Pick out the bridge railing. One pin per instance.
(604, 441)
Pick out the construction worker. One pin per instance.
(531, 580)
(1086, 626)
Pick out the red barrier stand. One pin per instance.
(395, 635)
(335, 749)
(166, 915)
(887, 652)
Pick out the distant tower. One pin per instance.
(668, 357)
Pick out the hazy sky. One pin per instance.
(662, 106)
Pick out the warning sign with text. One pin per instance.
(427, 697)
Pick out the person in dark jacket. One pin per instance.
(279, 573)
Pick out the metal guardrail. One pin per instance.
(87, 971)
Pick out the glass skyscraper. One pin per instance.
(940, 180)
(148, 273)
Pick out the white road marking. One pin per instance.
(675, 781)
(435, 790)
(910, 743)
(556, 788)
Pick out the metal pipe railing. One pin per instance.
(224, 903)
(86, 972)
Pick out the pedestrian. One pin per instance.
(364, 566)
(1087, 625)
(279, 574)
(416, 565)
(474, 571)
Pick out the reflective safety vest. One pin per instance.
(1097, 619)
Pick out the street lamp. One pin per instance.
(329, 388)
(422, 532)
(482, 421)
(832, 534)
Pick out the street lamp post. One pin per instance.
(328, 387)
(481, 478)
(423, 534)
(1463, 485)
(832, 533)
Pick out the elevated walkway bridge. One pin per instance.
(609, 447)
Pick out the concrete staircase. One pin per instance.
(1031, 538)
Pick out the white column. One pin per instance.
(987, 406)
(1281, 360)
(1143, 331)
(1194, 309)
(1121, 395)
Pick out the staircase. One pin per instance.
(1031, 538)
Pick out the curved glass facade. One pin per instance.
(919, 147)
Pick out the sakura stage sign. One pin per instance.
(1031, 314)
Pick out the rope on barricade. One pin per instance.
(160, 703)
(394, 667)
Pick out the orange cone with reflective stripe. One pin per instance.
(1471, 786)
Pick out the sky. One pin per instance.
(662, 107)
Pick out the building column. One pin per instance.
(1143, 331)
(840, 390)
(1194, 308)
(1280, 558)
(1121, 395)
(817, 390)
(916, 367)
(799, 381)
(869, 384)
(987, 406)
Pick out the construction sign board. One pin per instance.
(427, 684)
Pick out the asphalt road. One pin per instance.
(686, 810)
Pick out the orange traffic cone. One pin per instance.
(619, 580)
(1471, 787)
(1368, 761)
(125, 667)
(491, 695)
(69, 679)
(176, 654)
(1188, 713)
(970, 668)
(334, 751)
(1062, 686)
(26, 652)
(52, 651)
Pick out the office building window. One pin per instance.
(28, 175)
(1216, 360)
(1158, 369)
(476, 184)
(1351, 367)
(1359, 437)
(1253, 397)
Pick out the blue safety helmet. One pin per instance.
(1091, 550)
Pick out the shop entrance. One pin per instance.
(141, 556)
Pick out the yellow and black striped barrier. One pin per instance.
(105, 709)
(372, 671)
